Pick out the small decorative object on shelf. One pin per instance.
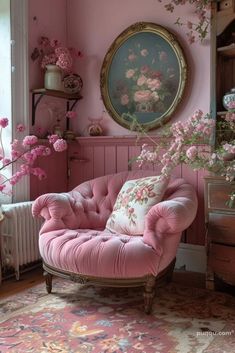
(53, 78)
(95, 128)
(72, 83)
(229, 100)
(38, 94)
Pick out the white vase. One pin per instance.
(53, 78)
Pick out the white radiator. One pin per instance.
(19, 237)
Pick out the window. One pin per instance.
(14, 77)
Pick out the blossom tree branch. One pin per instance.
(28, 151)
(198, 30)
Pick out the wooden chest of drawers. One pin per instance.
(220, 239)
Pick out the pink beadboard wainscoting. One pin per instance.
(91, 157)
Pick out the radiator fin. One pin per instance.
(19, 236)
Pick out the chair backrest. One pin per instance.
(98, 196)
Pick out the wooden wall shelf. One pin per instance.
(38, 94)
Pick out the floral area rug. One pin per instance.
(84, 319)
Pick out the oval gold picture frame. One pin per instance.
(143, 76)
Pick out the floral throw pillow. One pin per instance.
(133, 202)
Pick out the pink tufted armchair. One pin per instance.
(74, 244)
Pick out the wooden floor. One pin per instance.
(31, 278)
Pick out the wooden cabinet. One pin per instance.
(223, 54)
(55, 167)
(220, 238)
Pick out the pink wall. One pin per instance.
(93, 25)
(46, 18)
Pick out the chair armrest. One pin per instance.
(59, 211)
(169, 217)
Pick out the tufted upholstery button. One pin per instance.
(106, 192)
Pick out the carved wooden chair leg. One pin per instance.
(48, 278)
(170, 272)
(149, 293)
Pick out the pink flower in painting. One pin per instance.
(29, 140)
(3, 122)
(132, 57)
(162, 56)
(153, 84)
(144, 52)
(141, 80)
(130, 73)
(20, 127)
(124, 99)
(60, 145)
(142, 96)
(144, 69)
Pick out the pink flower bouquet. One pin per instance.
(51, 52)
(27, 152)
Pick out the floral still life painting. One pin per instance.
(144, 73)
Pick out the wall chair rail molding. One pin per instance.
(143, 75)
